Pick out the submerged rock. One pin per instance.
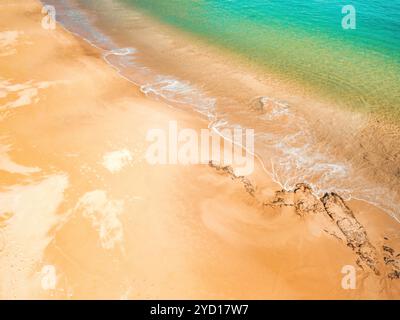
(258, 104)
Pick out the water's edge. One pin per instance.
(176, 92)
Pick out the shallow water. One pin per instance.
(351, 67)
(305, 42)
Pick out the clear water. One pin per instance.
(304, 41)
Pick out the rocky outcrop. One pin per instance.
(282, 198)
(258, 105)
(331, 206)
(301, 198)
(354, 232)
(228, 170)
(392, 262)
(305, 203)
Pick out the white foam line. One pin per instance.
(105, 53)
(313, 187)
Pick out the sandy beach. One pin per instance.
(83, 215)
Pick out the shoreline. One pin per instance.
(168, 231)
(371, 170)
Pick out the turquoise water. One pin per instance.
(303, 40)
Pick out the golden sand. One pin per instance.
(83, 216)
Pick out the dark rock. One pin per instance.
(259, 104)
(302, 198)
(306, 202)
(353, 231)
(392, 262)
(228, 170)
(388, 260)
(333, 207)
(248, 185)
(282, 199)
(394, 275)
(388, 249)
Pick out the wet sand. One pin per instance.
(84, 216)
(302, 135)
